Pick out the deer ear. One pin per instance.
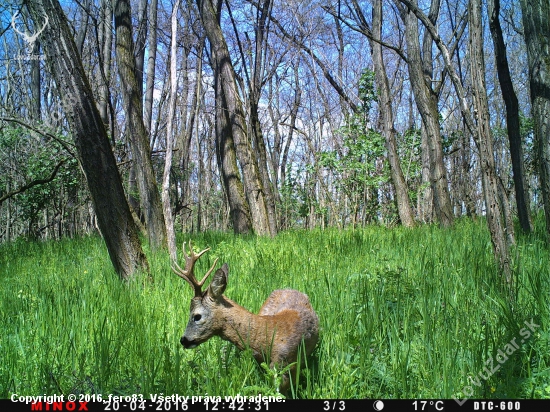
(219, 282)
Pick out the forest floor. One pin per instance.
(404, 313)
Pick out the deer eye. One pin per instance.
(196, 317)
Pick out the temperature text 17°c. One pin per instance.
(428, 405)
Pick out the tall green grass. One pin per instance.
(404, 313)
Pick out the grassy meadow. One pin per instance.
(404, 313)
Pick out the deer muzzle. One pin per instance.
(188, 344)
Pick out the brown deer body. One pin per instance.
(274, 335)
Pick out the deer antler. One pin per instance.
(188, 274)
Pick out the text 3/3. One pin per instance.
(334, 406)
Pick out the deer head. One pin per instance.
(203, 319)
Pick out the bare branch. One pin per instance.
(448, 63)
(364, 29)
(326, 71)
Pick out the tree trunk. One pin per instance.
(194, 124)
(261, 153)
(255, 194)
(292, 126)
(258, 69)
(425, 205)
(139, 47)
(167, 208)
(512, 116)
(36, 82)
(536, 27)
(90, 137)
(420, 72)
(481, 133)
(189, 111)
(386, 113)
(105, 48)
(148, 190)
(227, 161)
(151, 65)
(484, 138)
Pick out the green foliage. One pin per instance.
(404, 313)
(298, 198)
(25, 157)
(527, 130)
(367, 91)
(409, 150)
(358, 166)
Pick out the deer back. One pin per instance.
(293, 309)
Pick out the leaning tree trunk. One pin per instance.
(536, 26)
(90, 136)
(133, 106)
(239, 211)
(404, 207)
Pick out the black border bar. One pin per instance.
(317, 405)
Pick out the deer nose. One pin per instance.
(187, 344)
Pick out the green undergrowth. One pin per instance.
(404, 313)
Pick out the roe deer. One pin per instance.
(274, 335)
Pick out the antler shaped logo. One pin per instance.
(30, 39)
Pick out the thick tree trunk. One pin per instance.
(512, 116)
(141, 152)
(536, 27)
(255, 194)
(227, 161)
(90, 137)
